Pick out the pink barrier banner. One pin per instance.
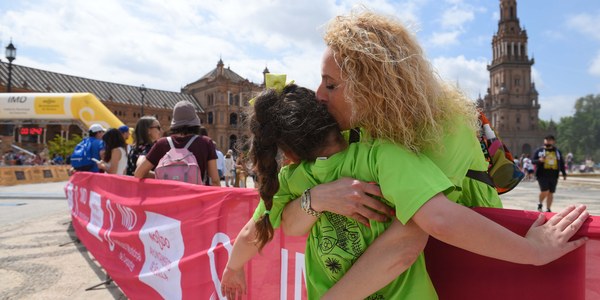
(169, 240)
(162, 239)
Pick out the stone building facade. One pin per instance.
(124, 101)
(224, 95)
(511, 103)
(221, 91)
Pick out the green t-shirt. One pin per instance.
(460, 151)
(335, 242)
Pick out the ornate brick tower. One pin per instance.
(511, 103)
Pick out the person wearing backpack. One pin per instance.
(170, 155)
(88, 150)
(549, 162)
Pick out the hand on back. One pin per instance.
(351, 198)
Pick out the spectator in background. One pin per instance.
(57, 159)
(220, 161)
(147, 131)
(569, 162)
(115, 156)
(203, 131)
(126, 134)
(528, 168)
(549, 162)
(9, 158)
(241, 170)
(37, 159)
(589, 165)
(229, 168)
(185, 125)
(96, 133)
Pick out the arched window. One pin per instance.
(233, 119)
(232, 142)
(210, 117)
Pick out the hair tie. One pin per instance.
(267, 212)
(273, 81)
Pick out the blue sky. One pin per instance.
(168, 44)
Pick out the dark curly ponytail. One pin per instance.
(291, 120)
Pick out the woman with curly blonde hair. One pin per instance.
(376, 77)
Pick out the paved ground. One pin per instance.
(39, 261)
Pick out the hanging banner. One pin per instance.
(162, 239)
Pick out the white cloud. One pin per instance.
(444, 38)
(471, 75)
(586, 24)
(166, 45)
(536, 78)
(456, 16)
(556, 106)
(452, 23)
(594, 68)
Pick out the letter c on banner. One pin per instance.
(218, 238)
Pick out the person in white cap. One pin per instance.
(95, 145)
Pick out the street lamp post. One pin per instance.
(143, 91)
(11, 54)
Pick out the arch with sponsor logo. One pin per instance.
(83, 108)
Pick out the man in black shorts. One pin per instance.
(549, 162)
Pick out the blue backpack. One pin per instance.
(82, 155)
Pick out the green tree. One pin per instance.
(62, 146)
(580, 133)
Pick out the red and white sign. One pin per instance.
(170, 240)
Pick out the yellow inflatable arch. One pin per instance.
(84, 107)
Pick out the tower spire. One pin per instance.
(511, 101)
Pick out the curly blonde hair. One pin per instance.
(392, 88)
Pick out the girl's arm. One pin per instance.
(143, 169)
(295, 221)
(392, 253)
(139, 162)
(233, 284)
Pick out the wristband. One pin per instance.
(305, 204)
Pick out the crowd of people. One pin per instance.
(111, 154)
(527, 166)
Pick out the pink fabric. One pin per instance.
(166, 239)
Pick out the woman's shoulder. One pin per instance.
(380, 145)
(162, 140)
